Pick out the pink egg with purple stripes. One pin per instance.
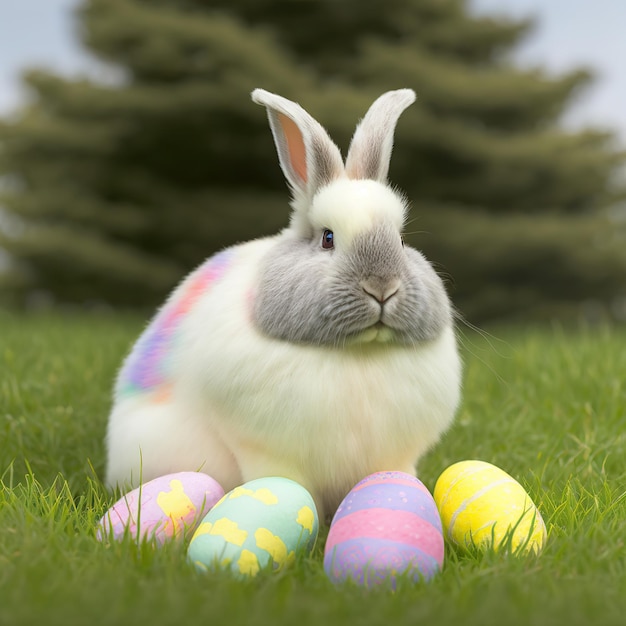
(386, 527)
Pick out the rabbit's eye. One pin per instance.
(328, 239)
(402, 240)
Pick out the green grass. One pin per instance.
(546, 405)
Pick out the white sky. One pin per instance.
(570, 33)
(575, 33)
(35, 32)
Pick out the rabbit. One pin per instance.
(322, 354)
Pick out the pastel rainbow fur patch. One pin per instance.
(148, 367)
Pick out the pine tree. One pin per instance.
(116, 192)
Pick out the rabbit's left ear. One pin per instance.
(308, 157)
(370, 149)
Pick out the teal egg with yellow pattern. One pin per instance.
(263, 524)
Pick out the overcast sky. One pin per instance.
(570, 33)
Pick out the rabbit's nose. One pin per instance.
(380, 289)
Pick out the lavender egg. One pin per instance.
(168, 507)
(387, 526)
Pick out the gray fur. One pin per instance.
(309, 295)
(372, 143)
(324, 162)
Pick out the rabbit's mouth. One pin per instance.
(378, 333)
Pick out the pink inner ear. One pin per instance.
(295, 145)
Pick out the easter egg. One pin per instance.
(387, 526)
(263, 524)
(167, 507)
(482, 506)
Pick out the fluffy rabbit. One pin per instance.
(322, 354)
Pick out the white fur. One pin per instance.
(370, 149)
(246, 406)
(361, 202)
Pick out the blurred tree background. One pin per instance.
(112, 193)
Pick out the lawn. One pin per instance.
(547, 405)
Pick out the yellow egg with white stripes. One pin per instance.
(481, 506)
(263, 524)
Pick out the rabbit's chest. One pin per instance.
(318, 405)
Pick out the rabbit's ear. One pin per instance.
(308, 157)
(370, 149)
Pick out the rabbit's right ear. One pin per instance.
(308, 157)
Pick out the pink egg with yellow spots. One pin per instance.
(387, 526)
(168, 507)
